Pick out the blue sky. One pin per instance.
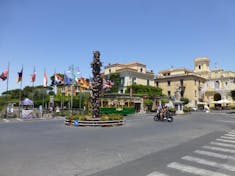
(55, 34)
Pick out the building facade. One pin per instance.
(182, 81)
(132, 73)
(201, 85)
(216, 92)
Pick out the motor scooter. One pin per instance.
(167, 116)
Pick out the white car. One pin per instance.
(194, 108)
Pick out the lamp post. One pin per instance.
(74, 71)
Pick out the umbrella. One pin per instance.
(27, 101)
(226, 101)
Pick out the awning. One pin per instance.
(26, 101)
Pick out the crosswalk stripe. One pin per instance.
(219, 149)
(155, 173)
(231, 132)
(227, 137)
(216, 155)
(209, 163)
(224, 140)
(194, 170)
(230, 135)
(223, 144)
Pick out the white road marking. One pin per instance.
(219, 149)
(216, 155)
(227, 137)
(230, 135)
(223, 144)
(232, 132)
(209, 163)
(155, 173)
(194, 170)
(224, 140)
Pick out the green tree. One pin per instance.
(145, 90)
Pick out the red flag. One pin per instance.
(45, 80)
(20, 75)
(33, 77)
(4, 75)
(107, 84)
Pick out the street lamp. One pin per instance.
(73, 71)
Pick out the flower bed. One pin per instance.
(104, 121)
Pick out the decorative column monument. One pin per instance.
(96, 85)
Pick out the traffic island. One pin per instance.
(87, 121)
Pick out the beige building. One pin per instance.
(200, 86)
(216, 92)
(180, 81)
(132, 73)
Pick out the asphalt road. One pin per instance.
(140, 147)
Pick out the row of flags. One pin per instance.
(58, 79)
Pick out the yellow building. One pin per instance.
(200, 86)
(182, 81)
(132, 73)
(216, 92)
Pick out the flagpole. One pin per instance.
(8, 67)
(20, 89)
(72, 90)
(33, 85)
(43, 90)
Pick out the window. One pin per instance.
(169, 83)
(134, 80)
(195, 92)
(141, 70)
(181, 82)
(217, 85)
(169, 93)
(109, 70)
(200, 67)
(122, 79)
(157, 84)
(147, 82)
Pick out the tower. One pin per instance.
(201, 64)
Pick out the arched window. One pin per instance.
(217, 84)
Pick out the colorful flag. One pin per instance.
(76, 81)
(84, 83)
(58, 79)
(67, 80)
(107, 84)
(33, 77)
(45, 79)
(20, 75)
(4, 75)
